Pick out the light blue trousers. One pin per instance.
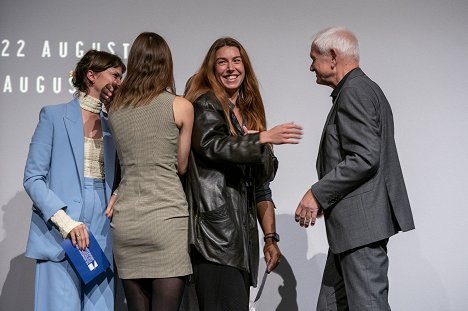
(58, 288)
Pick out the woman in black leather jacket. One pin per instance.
(227, 186)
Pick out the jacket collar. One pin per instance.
(351, 74)
(74, 126)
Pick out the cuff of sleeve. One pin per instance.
(256, 137)
(64, 223)
(316, 194)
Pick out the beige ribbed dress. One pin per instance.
(150, 220)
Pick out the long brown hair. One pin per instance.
(150, 72)
(250, 101)
(96, 61)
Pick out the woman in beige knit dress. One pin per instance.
(152, 130)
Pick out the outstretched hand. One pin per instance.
(286, 133)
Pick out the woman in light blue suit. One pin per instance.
(69, 176)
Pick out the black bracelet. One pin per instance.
(274, 236)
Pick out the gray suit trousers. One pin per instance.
(356, 280)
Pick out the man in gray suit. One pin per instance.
(361, 191)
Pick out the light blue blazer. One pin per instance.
(53, 176)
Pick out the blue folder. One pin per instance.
(89, 263)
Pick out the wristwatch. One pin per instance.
(274, 236)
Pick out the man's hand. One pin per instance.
(308, 210)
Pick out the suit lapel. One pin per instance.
(109, 154)
(318, 164)
(331, 116)
(74, 126)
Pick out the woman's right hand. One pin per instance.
(107, 92)
(79, 235)
(110, 207)
(286, 133)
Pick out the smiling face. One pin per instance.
(229, 69)
(100, 79)
(323, 66)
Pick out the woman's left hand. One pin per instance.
(272, 255)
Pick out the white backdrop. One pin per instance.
(416, 50)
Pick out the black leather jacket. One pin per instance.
(227, 175)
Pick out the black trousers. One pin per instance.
(220, 287)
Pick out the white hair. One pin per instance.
(339, 39)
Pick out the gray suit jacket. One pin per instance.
(361, 186)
